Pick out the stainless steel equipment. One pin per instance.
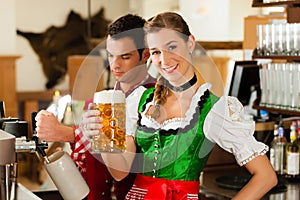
(8, 166)
(13, 139)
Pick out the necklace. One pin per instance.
(183, 87)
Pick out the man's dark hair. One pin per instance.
(129, 26)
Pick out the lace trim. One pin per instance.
(188, 115)
(173, 120)
(263, 152)
(178, 130)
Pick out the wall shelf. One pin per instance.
(257, 3)
(292, 8)
(289, 58)
(277, 110)
(293, 16)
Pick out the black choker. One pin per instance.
(183, 87)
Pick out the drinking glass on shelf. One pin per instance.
(281, 67)
(267, 39)
(276, 39)
(298, 86)
(270, 85)
(287, 40)
(294, 86)
(277, 85)
(263, 85)
(295, 39)
(260, 37)
(287, 85)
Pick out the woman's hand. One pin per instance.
(90, 123)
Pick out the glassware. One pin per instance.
(287, 40)
(295, 39)
(286, 86)
(267, 40)
(277, 85)
(276, 39)
(111, 138)
(260, 34)
(294, 86)
(263, 85)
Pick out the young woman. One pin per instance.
(179, 122)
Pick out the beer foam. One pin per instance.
(109, 96)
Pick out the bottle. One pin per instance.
(298, 132)
(292, 155)
(278, 145)
(273, 160)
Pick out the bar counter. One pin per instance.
(210, 189)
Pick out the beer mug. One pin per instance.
(66, 176)
(111, 138)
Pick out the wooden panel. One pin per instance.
(89, 80)
(39, 95)
(214, 70)
(222, 65)
(29, 102)
(293, 15)
(29, 107)
(230, 45)
(8, 84)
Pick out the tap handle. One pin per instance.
(2, 109)
(33, 123)
(40, 145)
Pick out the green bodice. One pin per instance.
(175, 154)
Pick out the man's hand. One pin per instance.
(48, 128)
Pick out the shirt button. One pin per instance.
(156, 151)
(155, 139)
(155, 157)
(155, 145)
(154, 164)
(103, 193)
(106, 181)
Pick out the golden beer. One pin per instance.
(111, 138)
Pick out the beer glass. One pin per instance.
(111, 138)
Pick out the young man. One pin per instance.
(127, 57)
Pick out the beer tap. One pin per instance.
(35, 145)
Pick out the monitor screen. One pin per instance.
(245, 79)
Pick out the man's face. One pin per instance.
(122, 56)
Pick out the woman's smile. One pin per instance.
(170, 69)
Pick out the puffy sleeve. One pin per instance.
(132, 102)
(225, 126)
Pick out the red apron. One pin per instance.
(149, 188)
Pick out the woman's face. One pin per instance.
(171, 55)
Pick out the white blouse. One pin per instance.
(224, 125)
(132, 103)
